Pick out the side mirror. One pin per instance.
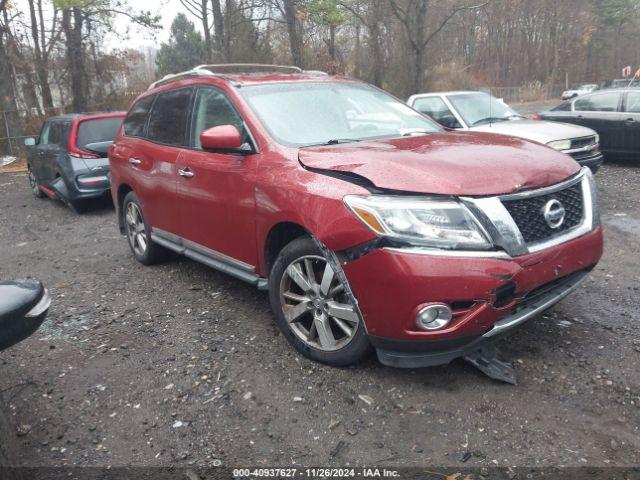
(29, 142)
(221, 138)
(23, 307)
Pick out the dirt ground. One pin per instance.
(177, 364)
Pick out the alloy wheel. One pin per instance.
(33, 183)
(315, 304)
(136, 230)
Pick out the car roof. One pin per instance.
(85, 115)
(240, 74)
(451, 92)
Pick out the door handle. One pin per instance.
(186, 172)
(630, 120)
(135, 161)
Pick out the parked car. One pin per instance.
(23, 307)
(368, 223)
(68, 161)
(479, 111)
(579, 90)
(619, 83)
(614, 114)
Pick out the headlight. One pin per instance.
(420, 221)
(560, 144)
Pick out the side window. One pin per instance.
(137, 117)
(44, 134)
(563, 107)
(438, 110)
(212, 108)
(55, 134)
(168, 119)
(603, 102)
(632, 104)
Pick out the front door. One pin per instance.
(631, 126)
(601, 112)
(216, 190)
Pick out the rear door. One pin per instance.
(631, 125)
(216, 199)
(601, 112)
(154, 159)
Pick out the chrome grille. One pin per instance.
(527, 213)
(583, 142)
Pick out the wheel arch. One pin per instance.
(123, 190)
(279, 236)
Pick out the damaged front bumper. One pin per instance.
(488, 296)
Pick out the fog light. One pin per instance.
(434, 317)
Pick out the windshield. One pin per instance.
(307, 113)
(98, 130)
(479, 108)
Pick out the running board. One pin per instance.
(210, 258)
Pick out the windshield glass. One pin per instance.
(479, 108)
(307, 113)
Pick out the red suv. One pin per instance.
(369, 224)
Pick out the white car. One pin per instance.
(580, 90)
(479, 111)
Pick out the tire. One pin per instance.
(316, 320)
(35, 186)
(78, 206)
(139, 234)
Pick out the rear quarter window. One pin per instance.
(137, 117)
(98, 130)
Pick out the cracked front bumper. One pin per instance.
(486, 294)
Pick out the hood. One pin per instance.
(448, 163)
(539, 131)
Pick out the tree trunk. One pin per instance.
(75, 57)
(41, 60)
(207, 33)
(419, 45)
(9, 118)
(293, 26)
(376, 53)
(218, 25)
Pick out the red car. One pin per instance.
(369, 224)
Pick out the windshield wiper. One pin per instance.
(336, 141)
(488, 120)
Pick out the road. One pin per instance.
(178, 364)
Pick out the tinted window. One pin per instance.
(212, 109)
(99, 130)
(58, 133)
(436, 109)
(633, 102)
(563, 107)
(603, 102)
(168, 119)
(137, 117)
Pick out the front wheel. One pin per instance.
(33, 183)
(314, 307)
(139, 234)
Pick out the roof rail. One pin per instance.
(248, 68)
(218, 70)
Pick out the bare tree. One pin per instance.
(412, 14)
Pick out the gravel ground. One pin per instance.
(177, 364)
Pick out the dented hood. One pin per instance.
(448, 163)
